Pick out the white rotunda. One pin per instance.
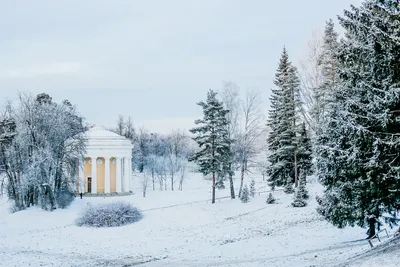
(107, 166)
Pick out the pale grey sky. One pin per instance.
(150, 59)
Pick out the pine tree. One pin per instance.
(283, 122)
(358, 144)
(304, 152)
(212, 139)
(270, 199)
(252, 188)
(244, 197)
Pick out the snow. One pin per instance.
(228, 233)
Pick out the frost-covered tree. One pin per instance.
(283, 123)
(358, 144)
(212, 138)
(230, 99)
(42, 142)
(141, 149)
(244, 197)
(328, 65)
(253, 127)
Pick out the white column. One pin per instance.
(107, 175)
(130, 174)
(118, 177)
(94, 175)
(81, 177)
(127, 165)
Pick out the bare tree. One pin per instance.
(120, 125)
(182, 172)
(145, 183)
(129, 130)
(253, 128)
(230, 98)
(177, 145)
(310, 75)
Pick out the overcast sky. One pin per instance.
(151, 60)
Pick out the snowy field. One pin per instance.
(228, 233)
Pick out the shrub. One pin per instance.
(244, 197)
(109, 215)
(252, 188)
(270, 199)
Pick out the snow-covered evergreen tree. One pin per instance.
(212, 138)
(252, 188)
(283, 123)
(244, 197)
(270, 199)
(304, 152)
(359, 142)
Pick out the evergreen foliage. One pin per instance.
(244, 197)
(298, 201)
(283, 123)
(270, 199)
(214, 156)
(304, 152)
(303, 186)
(252, 188)
(359, 142)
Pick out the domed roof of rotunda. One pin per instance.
(99, 136)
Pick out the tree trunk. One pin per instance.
(144, 192)
(241, 178)
(154, 181)
(232, 187)
(213, 188)
(296, 175)
(172, 182)
(371, 231)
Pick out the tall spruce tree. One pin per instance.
(213, 139)
(358, 144)
(283, 123)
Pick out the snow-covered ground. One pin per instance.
(228, 233)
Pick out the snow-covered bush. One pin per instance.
(252, 188)
(109, 215)
(244, 197)
(64, 198)
(298, 201)
(270, 199)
